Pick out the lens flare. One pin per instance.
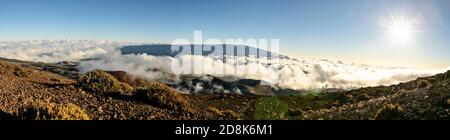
(400, 29)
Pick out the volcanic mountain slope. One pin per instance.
(21, 87)
(426, 98)
(27, 92)
(49, 91)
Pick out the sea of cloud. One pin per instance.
(285, 72)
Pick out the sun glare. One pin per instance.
(400, 29)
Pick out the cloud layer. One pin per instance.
(298, 73)
(51, 51)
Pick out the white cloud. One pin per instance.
(297, 73)
(51, 51)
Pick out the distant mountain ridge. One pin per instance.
(166, 50)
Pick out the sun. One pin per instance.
(400, 29)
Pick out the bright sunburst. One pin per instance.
(400, 29)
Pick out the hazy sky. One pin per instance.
(347, 30)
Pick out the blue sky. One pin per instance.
(346, 30)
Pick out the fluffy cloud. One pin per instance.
(51, 51)
(287, 72)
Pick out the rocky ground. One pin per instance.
(64, 94)
(20, 86)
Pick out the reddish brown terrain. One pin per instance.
(55, 91)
